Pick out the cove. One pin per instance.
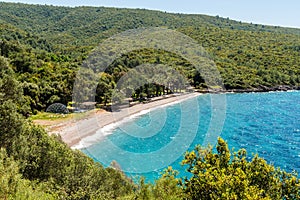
(266, 124)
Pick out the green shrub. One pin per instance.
(57, 108)
(222, 175)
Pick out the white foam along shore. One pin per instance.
(105, 123)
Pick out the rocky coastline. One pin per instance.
(261, 88)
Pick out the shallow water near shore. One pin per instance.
(263, 123)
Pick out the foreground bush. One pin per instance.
(34, 165)
(222, 175)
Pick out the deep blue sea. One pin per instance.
(266, 124)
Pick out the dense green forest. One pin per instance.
(41, 49)
(47, 44)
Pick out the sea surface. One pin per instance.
(267, 124)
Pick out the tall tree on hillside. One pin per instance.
(10, 103)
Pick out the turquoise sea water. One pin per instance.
(263, 123)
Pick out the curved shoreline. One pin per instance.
(76, 131)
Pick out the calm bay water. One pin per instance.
(263, 123)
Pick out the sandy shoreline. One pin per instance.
(73, 131)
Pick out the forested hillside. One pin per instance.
(46, 45)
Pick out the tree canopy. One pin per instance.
(46, 45)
